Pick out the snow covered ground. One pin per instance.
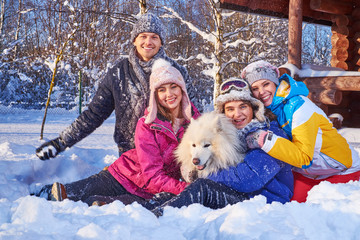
(332, 210)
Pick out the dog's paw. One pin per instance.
(193, 175)
(185, 170)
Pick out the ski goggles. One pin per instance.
(237, 84)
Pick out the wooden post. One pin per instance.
(295, 32)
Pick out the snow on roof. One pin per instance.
(309, 70)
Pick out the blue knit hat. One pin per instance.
(148, 23)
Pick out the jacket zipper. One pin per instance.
(166, 128)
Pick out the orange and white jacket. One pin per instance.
(315, 148)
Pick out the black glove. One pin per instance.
(163, 197)
(158, 200)
(50, 149)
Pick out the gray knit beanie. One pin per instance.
(148, 23)
(260, 70)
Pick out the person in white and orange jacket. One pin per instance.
(316, 150)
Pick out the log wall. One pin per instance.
(353, 101)
(346, 55)
(356, 38)
(333, 94)
(340, 42)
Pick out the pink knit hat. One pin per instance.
(162, 73)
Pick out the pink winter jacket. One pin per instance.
(151, 167)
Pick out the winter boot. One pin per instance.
(98, 203)
(58, 192)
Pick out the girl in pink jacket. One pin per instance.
(151, 167)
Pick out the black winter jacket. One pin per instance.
(117, 91)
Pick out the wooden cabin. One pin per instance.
(335, 93)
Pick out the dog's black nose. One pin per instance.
(196, 161)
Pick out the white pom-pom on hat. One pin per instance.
(160, 63)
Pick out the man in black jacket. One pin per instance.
(125, 89)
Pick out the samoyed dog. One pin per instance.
(209, 144)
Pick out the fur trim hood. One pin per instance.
(241, 95)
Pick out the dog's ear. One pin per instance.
(218, 123)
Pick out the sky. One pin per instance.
(332, 211)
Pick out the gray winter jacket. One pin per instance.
(122, 91)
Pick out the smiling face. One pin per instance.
(169, 96)
(147, 45)
(241, 113)
(264, 90)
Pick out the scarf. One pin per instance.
(142, 69)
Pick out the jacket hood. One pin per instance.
(288, 98)
(287, 89)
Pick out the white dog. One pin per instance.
(209, 144)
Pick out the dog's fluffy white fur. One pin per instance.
(208, 145)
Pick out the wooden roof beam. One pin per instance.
(332, 6)
(276, 8)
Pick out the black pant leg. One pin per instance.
(102, 183)
(124, 198)
(208, 193)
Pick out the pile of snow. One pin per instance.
(332, 210)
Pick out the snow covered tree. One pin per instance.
(232, 39)
(213, 44)
(316, 44)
